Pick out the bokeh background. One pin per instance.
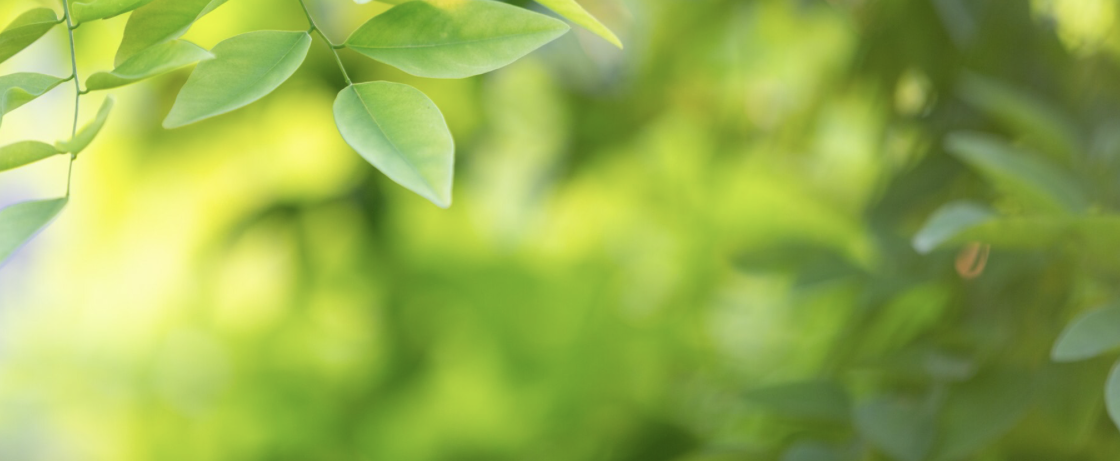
(696, 249)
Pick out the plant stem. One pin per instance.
(334, 48)
(77, 90)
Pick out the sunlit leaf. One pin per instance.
(1112, 394)
(161, 21)
(815, 400)
(24, 153)
(246, 68)
(86, 135)
(947, 222)
(25, 30)
(1089, 335)
(92, 10)
(1018, 173)
(902, 429)
(402, 133)
(978, 412)
(572, 10)
(153, 61)
(20, 88)
(20, 222)
(453, 38)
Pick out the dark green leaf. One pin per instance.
(402, 133)
(161, 21)
(572, 10)
(902, 429)
(21, 88)
(948, 222)
(20, 222)
(1025, 113)
(89, 132)
(1088, 335)
(246, 68)
(153, 61)
(815, 400)
(453, 38)
(92, 10)
(1112, 394)
(25, 30)
(980, 411)
(24, 153)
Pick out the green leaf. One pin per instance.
(902, 429)
(161, 21)
(1018, 173)
(948, 222)
(85, 136)
(401, 132)
(24, 153)
(453, 38)
(1112, 394)
(153, 61)
(246, 68)
(1089, 335)
(1025, 113)
(980, 411)
(92, 10)
(815, 400)
(815, 451)
(21, 88)
(572, 10)
(20, 222)
(25, 30)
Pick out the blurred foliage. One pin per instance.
(702, 248)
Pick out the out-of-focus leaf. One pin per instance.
(1112, 394)
(161, 21)
(1018, 173)
(153, 61)
(246, 68)
(574, 12)
(89, 132)
(902, 429)
(820, 400)
(402, 133)
(1024, 113)
(948, 222)
(453, 38)
(24, 153)
(21, 88)
(980, 411)
(1089, 335)
(20, 222)
(815, 451)
(25, 30)
(92, 10)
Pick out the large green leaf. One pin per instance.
(23, 153)
(572, 10)
(948, 222)
(161, 21)
(92, 10)
(85, 136)
(153, 61)
(453, 38)
(1088, 335)
(246, 68)
(1018, 172)
(20, 222)
(20, 88)
(900, 428)
(1112, 394)
(813, 400)
(25, 30)
(402, 133)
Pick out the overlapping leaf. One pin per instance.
(24, 153)
(402, 133)
(86, 135)
(453, 38)
(25, 30)
(20, 88)
(246, 68)
(574, 12)
(161, 21)
(92, 10)
(20, 222)
(152, 61)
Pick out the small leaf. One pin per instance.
(246, 68)
(25, 30)
(453, 38)
(401, 132)
(85, 136)
(20, 222)
(1112, 394)
(21, 88)
(24, 153)
(947, 222)
(1088, 335)
(161, 21)
(1018, 173)
(902, 429)
(572, 10)
(92, 10)
(153, 61)
(815, 400)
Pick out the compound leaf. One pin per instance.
(25, 30)
(89, 132)
(161, 21)
(246, 68)
(24, 153)
(401, 132)
(20, 222)
(153, 61)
